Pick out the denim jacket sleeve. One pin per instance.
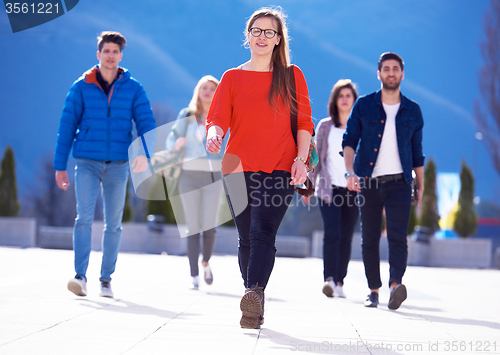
(416, 142)
(353, 129)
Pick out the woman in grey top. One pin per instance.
(199, 195)
(337, 204)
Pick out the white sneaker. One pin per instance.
(195, 284)
(78, 286)
(209, 277)
(338, 291)
(106, 289)
(328, 287)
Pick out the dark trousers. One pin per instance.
(395, 197)
(193, 249)
(269, 195)
(201, 202)
(339, 219)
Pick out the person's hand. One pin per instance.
(299, 173)
(353, 183)
(140, 164)
(180, 142)
(62, 179)
(214, 143)
(420, 193)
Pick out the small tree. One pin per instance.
(128, 212)
(465, 223)
(160, 207)
(413, 220)
(9, 205)
(487, 108)
(50, 205)
(429, 214)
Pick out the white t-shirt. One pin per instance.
(334, 161)
(388, 161)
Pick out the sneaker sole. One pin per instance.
(251, 308)
(107, 295)
(328, 290)
(397, 297)
(76, 289)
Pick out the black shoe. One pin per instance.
(372, 300)
(398, 295)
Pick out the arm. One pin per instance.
(420, 183)
(145, 124)
(418, 157)
(70, 119)
(214, 139)
(299, 171)
(304, 119)
(305, 128)
(349, 143)
(140, 164)
(62, 180)
(177, 139)
(352, 180)
(221, 108)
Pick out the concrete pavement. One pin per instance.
(154, 311)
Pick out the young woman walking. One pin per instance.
(254, 101)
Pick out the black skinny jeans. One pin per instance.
(395, 196)
(339, 219)
(269, 195)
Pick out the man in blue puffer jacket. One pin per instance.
(97, 123)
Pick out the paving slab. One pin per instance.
(154, 311)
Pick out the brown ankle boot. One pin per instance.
(251, 306)
(263, 301)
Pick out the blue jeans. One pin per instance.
(90, 176)
(339, 219)
(269, 195)
(395, 197)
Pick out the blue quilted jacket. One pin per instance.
(99, 127)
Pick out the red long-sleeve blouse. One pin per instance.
(259, 136)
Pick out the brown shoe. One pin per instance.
(251, 308)
(263, 301)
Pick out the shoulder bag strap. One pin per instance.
(293, 110)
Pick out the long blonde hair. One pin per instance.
(280, 60)
(195, 107)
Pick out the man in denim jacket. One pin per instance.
(388, 127)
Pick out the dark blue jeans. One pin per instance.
(395, 197)
(269, 195)
(339, 219)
